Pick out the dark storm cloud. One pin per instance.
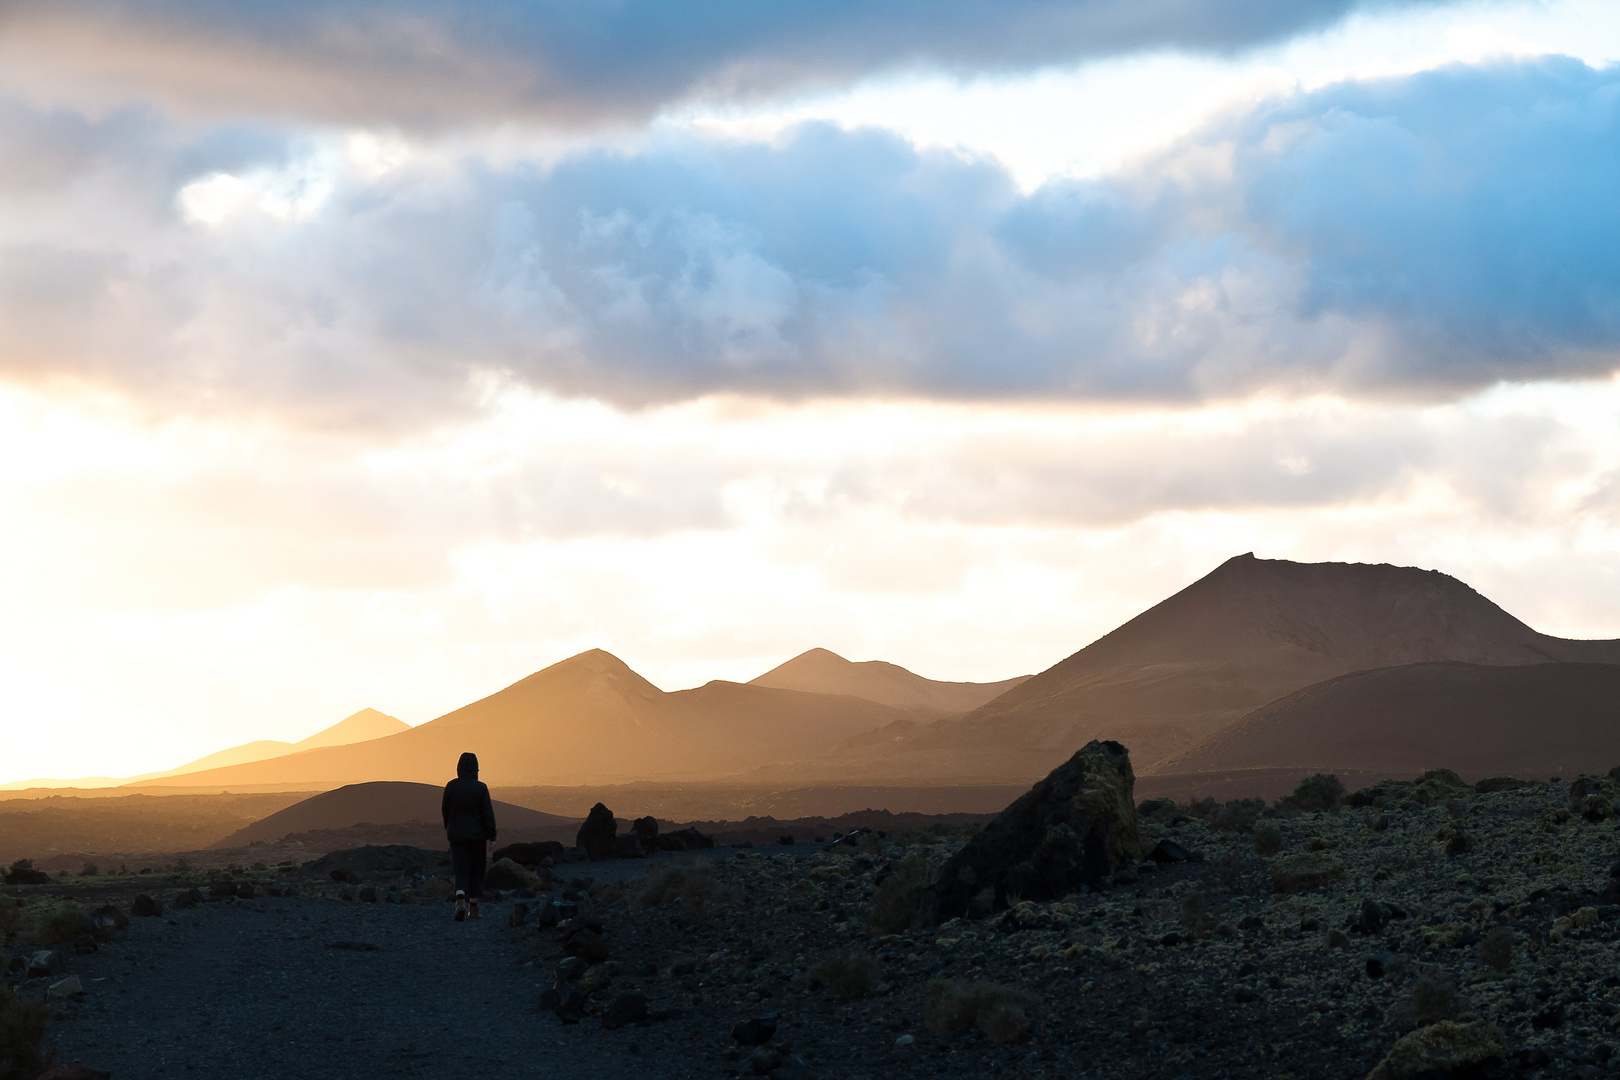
(1429, 234)
(579, 61)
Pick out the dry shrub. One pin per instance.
(954, 1007)
(1226, 872)
(1433, 997)
(1196, 917)
(22, 1036)
(63, 923)
(1496, 950)
(1319, 791)
(691, 882)
(849, 973)
(1238, 815)
(10, 919)
(90, 870)
(1267, 840)
(894, 901)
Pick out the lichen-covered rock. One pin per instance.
(1306, 870)
(1442, 1049)
(1076, 827)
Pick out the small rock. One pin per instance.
(1380, 965)
(764, 1061)
(1168, 851)
(368, 894)
(572, 1005)
(586, 944)
(905, 1040)
(108, 917)
(45, 963)
(85, 943)
(1243, 995)
(1373, 917)
(146, 907)
(629, 1007)
(66, 987)
(1442, 1049)
(571, 968)
(757, 1031)
(244, 891)
(395, 897)
(1337, 939)
(1307, 870)
(188, 899)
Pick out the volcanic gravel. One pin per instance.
(1191, 969)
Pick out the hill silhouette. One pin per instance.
(821, 671)
(392, 803)
(1250, 632)
(587, 719)
(358, 727)
(1533, 721)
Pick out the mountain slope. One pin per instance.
(587, 719)
(387, 803)
(821, 671)
(1248, 633)
(1534, 721)
(359, 727)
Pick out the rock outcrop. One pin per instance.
(1076, 827)
(598, 836)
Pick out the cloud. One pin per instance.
(1425, 235)
(439, 63)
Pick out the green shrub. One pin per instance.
(954, 1007)
(89, 870)
(849, 973)
(64, 923)
(22, 1036)
(1434, 997)
(1238, 815)
(895, 900)
(1267, 840)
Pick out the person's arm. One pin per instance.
(444, 806)
(489, 817)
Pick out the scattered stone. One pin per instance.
(687, 839)
(394, 897)
(45, 963)
(1443, 1049)
(1168, 851)
(587, 944)
(85, 943)
(1380, 965)
(145, 907)
(765, 1061)
(66, 987)
(531, 854)
(190, 898)
(509, 874)
(629, 1007)
(1076, 827)
(757, 1031)
(368, 895)
(244, 891)
(1306, 870)
(904, 1041)
(629, 846)
(570, 968)
(1337, 939)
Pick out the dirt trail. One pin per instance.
(257, 990)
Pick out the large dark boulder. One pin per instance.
(22, 872)
(530, 854)
(1074, 828)
(599, 835)
(646, 829)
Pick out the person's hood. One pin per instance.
(467, 767)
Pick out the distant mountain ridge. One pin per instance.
(821, 671)
(587, 719)
(1248, 633)
(357, 727)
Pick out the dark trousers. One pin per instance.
(467, 859)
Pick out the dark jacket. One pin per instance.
(468, 812)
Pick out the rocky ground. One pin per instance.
(1293, 944)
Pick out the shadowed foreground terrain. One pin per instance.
(1294, 942)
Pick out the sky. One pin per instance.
(378, 355)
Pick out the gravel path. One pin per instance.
(257, 990)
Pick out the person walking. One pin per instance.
(469, 822)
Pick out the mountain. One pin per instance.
(587, 719)
(363, 725)
(388, 803)
(822, 672)
(1250, 632)
(1533, 722)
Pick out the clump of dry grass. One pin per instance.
(691, 882)
(1496, 950)
(894, 901)
(22, 1036)
(64, 923)
(954, 1007)
(849, 973)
